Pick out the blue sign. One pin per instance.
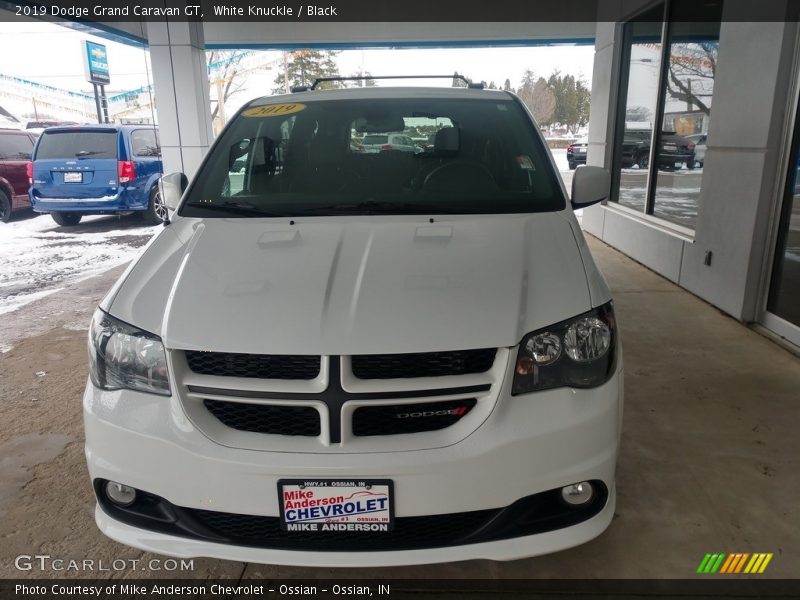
(95, 61)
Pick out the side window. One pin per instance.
(145, 143)
(239, 157)
(256, 164)
(15, 147)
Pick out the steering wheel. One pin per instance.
(460, 175)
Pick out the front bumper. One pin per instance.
(529, 444)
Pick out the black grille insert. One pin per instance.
(409, 418)
(257, 366)
(266, 418)
(422, 364)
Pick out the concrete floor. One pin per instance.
(709, 459)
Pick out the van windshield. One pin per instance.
(77, 144)
(377, 156)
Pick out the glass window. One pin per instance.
(659, 169)
(784, 295)
(15, 147)
(337, 157)
(77, 144)
(643, 53)
(689, 86)
(144, 142)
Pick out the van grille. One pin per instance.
(266, 418)
(423, 364)
(336, 407)
(409, 418)
(257, 366)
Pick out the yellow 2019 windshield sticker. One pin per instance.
(274, 110)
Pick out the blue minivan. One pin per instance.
(97, 169)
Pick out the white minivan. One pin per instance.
(336, 358)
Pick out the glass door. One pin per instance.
(783, 301)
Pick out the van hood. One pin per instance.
(354, 285)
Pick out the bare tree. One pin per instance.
(692, 69)
(638, 113)
(226, 74)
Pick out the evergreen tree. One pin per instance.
(572, 100)
(304, 66)
(507, 86)
(367, 80)
(457, 81)
(536, 94)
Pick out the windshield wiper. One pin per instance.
(235, 208)
(372, 207)
(83, 153)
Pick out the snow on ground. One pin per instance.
(39, 257)
(560, 156)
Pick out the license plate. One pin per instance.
(73, 177)
(332, 505)
(581, 150)
(670, 147)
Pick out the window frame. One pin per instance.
(623, 65)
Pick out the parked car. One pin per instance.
(576, 153)
(97, 169)
(384, 142)
(16, 147)
(675, 150)
(699, 140)
(352, 359)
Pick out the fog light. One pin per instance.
(121, 495)
(577, 493)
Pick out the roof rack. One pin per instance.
(318, 80)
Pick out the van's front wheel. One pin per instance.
(156, 211)
(66, 219)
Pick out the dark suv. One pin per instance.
(15, 157)
(675, 150)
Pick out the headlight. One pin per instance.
(578, 352)
(123, 356)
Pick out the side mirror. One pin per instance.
(590, 185)
(172, 186)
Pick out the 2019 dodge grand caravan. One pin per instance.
(97, 169)
(330, 357)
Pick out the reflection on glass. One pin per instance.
(688, 89)
(784, 297)
(640, 107)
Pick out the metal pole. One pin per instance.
(104, 104)
(97, 103)
(655, 140)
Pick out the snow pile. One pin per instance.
(38, 257)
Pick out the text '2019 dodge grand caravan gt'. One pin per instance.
(340, 358)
